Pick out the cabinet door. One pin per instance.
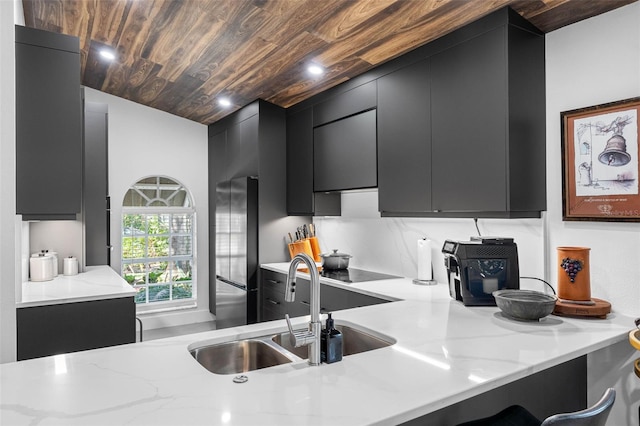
(344, 154)
(217, 152)
(358, 299)
(272, 304)
(48, 131)
(70, 327)
(469, 123)
(300, 162)
(333, 299)
(404, 140)
(96, 185)
(302, 304)
(242, 148)
(301, 200)
(351, 102)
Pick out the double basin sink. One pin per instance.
(273, 349)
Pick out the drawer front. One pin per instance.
(272, 304)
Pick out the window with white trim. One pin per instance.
(158, 242)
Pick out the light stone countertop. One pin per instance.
(444, 353)
(96, 283)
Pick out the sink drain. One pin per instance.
(240, 379)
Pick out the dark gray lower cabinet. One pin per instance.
(273, 305)
(69, 327)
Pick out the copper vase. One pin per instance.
(574, 276)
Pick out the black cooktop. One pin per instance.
(352, 275)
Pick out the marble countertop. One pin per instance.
(96, 283)
(444, 353)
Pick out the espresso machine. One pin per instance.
(478, 267)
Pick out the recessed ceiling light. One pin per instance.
(107, 54)
(315, 69)
(225, 102)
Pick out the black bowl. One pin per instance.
(525, 305)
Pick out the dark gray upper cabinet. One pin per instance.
(477, 148)
(344, 153)
(488, 138)
(242, 148)
(404, 140)
(301, 199)
(48, 125)
(358, 99)
(95, 198)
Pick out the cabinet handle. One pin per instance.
(304, 302)
(273, 302)
(274, 281)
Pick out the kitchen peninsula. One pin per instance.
(445, 354)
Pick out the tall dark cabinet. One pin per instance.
(95, 190)
(48, 125)
(252, 142)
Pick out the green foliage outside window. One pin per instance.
(146, 237)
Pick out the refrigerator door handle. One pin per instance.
(232, 283)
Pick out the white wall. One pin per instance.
(143, 142)
(590, 63)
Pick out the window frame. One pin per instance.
(147, 210)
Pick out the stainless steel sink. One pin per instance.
(354, 341)
(239, 356)
(269, 350)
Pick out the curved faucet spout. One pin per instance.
(312, 337)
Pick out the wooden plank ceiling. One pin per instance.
(180, 56)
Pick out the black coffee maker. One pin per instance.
(478, 267)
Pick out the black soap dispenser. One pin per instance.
(330, 343)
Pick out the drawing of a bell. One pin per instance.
(615, 153)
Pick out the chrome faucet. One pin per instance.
(311, 336)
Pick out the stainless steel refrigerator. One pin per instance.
(236, 252)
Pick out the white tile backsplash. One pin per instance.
(389, 245)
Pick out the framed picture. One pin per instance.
(600, 162)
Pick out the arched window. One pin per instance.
(158, 241)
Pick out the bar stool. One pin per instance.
(515, 415)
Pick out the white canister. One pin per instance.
(70, 266)
(41, 268)
(54, 255)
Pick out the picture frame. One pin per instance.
(600, 166)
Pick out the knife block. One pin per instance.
(301, 246)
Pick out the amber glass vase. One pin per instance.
(574, 276)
